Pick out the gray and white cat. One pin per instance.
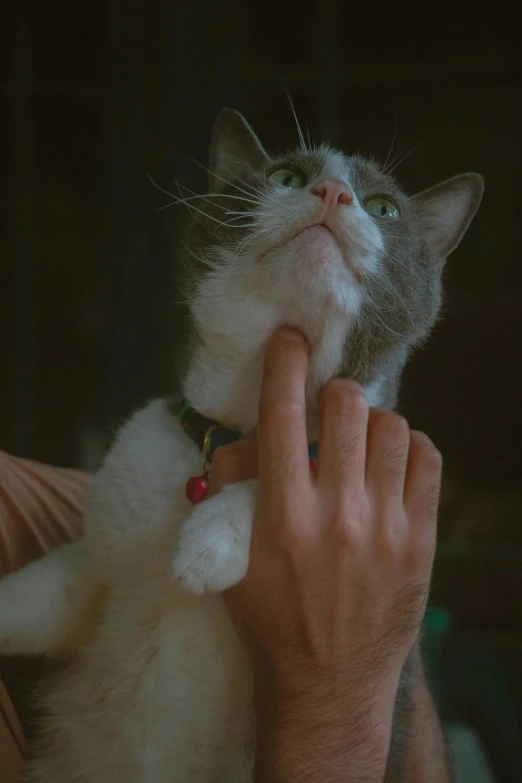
(157, 686)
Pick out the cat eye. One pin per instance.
(381, 207)
(287, 179)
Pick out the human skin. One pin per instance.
(339, 573)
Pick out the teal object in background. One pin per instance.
(436, 625)
(476, 689)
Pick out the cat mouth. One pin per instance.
(323, 233)
(319, 228)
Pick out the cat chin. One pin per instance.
(318, 247)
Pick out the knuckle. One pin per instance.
(394, 459)
(399, 428)
(433, 459)
(347, 536)
(390, 426)
(346, 447)
(285, 411)
(349, 529)
(390, 537)
(431, 496)
(292, 541)
(426, 455)
(341, 395)
(426, 451)
(277, 414)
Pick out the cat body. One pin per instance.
(157, 686)
(159, 689)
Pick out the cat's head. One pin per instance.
(321, 240)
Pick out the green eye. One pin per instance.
(287, 179)
(381, 207)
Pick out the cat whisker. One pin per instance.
(239, 225)
(308, 138)
(391, 145)
(389, 284)
(248, 239)
(261, 252)
(205, 262)
(302, 142)
(194, 209)
(251, 214)
(242, 245)
(179, 199)
(228, 182)
(185, 302)
(208, 196)
(398, 162)
(161, 190)
(377, 316)
(183, 201)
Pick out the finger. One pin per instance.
(342, 442)
(423, 478)
(281, 429)
(387, 455)
(236, 462)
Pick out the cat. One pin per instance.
(156, 686)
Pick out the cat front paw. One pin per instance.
(214, 541)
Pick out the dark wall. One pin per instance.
(95, 95)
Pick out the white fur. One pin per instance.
(46, 607)
(159, 690)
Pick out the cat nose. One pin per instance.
(333, 192)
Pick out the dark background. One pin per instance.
(96, 94)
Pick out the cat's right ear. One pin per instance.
(234, 148)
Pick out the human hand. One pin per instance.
(340, 558)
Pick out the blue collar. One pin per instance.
(209, 434)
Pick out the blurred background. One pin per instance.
(95, 95)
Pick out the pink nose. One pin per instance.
(333, 192)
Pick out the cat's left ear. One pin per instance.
(234, 148)
(446, 210)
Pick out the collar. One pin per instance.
(209, 434)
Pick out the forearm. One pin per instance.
(426, 753)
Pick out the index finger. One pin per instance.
(283, 444)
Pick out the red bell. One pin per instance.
(311, 463)
(196, 488)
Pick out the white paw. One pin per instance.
(214, 542)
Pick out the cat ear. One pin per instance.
(446, 210)
(234, 147)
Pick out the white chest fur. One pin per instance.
(161, 690)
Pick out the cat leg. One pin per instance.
(45, 608)
(137, 502)
(214, 542)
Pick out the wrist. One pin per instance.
(324, 738)
(351, 750)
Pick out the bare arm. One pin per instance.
(426, 753)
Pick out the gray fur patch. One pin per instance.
(399, 305)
